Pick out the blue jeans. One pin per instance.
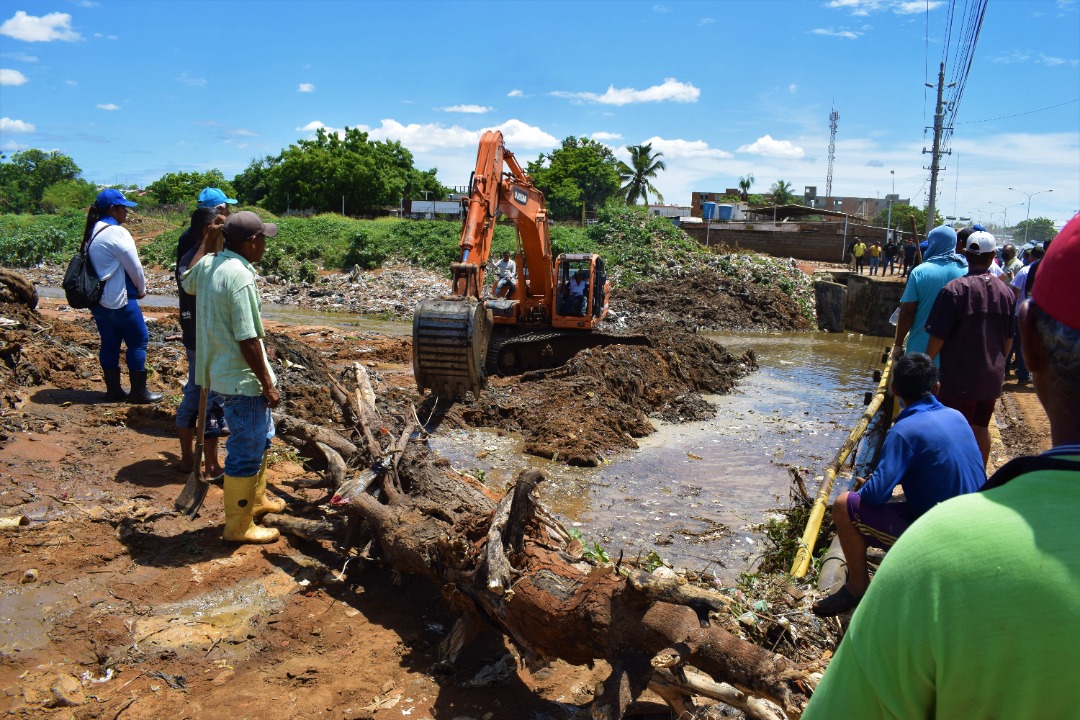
(250, 427)
(187, 413)
(123, 325)
(874, 265)
(505, 283)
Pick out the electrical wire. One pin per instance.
(1029, 112)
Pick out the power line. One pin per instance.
(1029, 112)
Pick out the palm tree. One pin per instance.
(643, 168)
(744, 185)
(781, 192)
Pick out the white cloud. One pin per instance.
(706, 21)
(54, 26)
(862, 8)
(773, 148)
(661, 9)
(689, 149)
(242, 132)
(421, 138)
(671, 89)
(469, 109)
(21, 57)
(1038, 58)
(191, 81)
(72, 83)
(515, 93)
(15, 126)
(793, 88)
(11, 77)
(107, 106)
(846, 34)
(306, 88)
(313, 126)
(103, 36)
(605, 136)
(12, 146)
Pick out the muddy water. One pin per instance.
(694, 492)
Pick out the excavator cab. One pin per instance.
(581, 290)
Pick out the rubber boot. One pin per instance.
(139, 394)
(264, 504)
(239, 503)
(114, 391)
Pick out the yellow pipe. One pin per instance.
(817, 512)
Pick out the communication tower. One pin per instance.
(833, 118)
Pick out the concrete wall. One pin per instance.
(819, 241)
(831, 302)
(870, 303)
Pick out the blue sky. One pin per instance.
(133, 90)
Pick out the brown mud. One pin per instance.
(115, 607)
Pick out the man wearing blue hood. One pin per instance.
(941, 264)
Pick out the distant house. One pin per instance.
(669, 211)
(428, 209)
(865, 208)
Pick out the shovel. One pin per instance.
(194, 492)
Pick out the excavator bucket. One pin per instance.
(450, 342)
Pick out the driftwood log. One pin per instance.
(505, 563)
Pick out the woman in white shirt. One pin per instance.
(117, 315)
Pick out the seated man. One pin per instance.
(507, 270)
(577, 302)
(930, 451)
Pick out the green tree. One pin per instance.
(638, 175)
(901, 218)
(68, 195)
(744, 185)
(252, 184)
(346, 172)
(782, 193)
(580, 172)
(1037, 229)
(183, 188)
(25, 177)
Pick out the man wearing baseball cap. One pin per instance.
(971, 325)
(975, 611)
(210, 197)
(230, 359)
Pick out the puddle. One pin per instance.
(26, 615)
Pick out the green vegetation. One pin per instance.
(27, 240)
(345, 173)
(902, 214)
(28, 176)
(640, 173)
(184, 188)
(782, 193)
(1038, 230)
(581, 174)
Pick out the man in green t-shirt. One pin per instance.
(975, 612)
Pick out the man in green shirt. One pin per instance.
(975, 612)
(230, 359)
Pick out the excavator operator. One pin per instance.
(507, 270)
(576, 302)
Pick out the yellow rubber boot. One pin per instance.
(264, 504)
(239, 506)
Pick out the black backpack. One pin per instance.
(82, 287)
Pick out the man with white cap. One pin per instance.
(230, 358)
(971, 325)
(975, 612)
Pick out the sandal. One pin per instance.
(839, 602)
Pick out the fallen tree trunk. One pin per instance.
(507, 565)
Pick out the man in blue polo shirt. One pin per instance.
(930, 451)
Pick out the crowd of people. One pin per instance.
(982, 576)
(975, 610)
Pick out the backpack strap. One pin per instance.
(1024, 465)
(86, 248)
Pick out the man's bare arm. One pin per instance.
(904, 321)
(933, 346)
(253, 354)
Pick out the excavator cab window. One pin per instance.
(574, 278)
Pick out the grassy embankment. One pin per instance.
(635, 245)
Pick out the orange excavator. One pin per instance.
(550, 314)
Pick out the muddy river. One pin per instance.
(691, 492)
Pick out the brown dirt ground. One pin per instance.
(103, 579)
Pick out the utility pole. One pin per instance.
(1028, 219)
(935, 159)
(888, 223)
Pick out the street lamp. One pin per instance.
(1029, 196)
(1005, 216)
(888, 223)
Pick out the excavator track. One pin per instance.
(512, 354)
(450, 338)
